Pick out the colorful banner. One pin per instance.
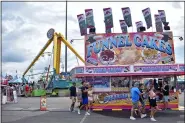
(156, 68)
(158, 23)
(120, 100)
(89, 18)
(148, 18)
(123, 26)
(107, 30)
(127, 16)
(120, 84)
(130, 48)
(108, 19)
(99, 83)
(82, 24)
(162, 15)
(111, 69)
(181, 67)
(138, 25)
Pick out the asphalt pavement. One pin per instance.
(27, 111)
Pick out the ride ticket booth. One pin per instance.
(115, 61)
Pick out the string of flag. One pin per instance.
(87, 21)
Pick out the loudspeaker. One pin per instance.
(92, 30)
(142, 29)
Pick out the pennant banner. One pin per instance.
(148, 17)
(158, 23)
(127, 16)
(162, 15)
(138, 25)
(89, 18)
(123, 26)
(108, 19)
(108, 30)
(82, 24)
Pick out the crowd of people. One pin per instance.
(152, 91)
(13, 91)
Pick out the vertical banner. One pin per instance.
(108, 30)
(89, 18)
(162, 15)
(158, 23)
(108, 18)
(123, 26)
(82, 24)
(138, 25)
(127, 16)
(148, 17)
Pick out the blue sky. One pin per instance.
(25, 24)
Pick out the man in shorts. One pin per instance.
(73, 96)
(135, 95)
(85, 102)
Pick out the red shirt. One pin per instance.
(27, 88)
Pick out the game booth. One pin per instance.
(115, 61)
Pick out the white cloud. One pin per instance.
(25, 26)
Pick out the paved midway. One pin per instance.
(27, 110)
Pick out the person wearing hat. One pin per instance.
(135, 95)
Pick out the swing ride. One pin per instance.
(57, 39)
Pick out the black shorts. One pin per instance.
(153, 103)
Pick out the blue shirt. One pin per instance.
(135, 94)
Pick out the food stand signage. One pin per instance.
(111, 70)
(129, 48)
(156, 68)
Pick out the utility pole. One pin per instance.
(66, 39)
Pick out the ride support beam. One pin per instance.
(39, 54)
(57, 52)
(61, 37)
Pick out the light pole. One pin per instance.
(66, 39)
(180, 37)
(72, 40)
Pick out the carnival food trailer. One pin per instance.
(115, 60)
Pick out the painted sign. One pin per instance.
(156, 68)
(130, 48)
(113, 69)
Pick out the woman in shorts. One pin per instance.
(153, 103)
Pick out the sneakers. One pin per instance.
(87, 113)
(143, 115)
(152, 119)
(132, 118)
(78, 111)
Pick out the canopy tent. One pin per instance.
(19, 80)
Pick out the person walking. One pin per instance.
(73, 95)
(135, 95)
(166, 93)
(27, 89)
(141, 99)
(84, 90)
(153, 103)
(90, 95)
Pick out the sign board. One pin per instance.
(130, 49)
